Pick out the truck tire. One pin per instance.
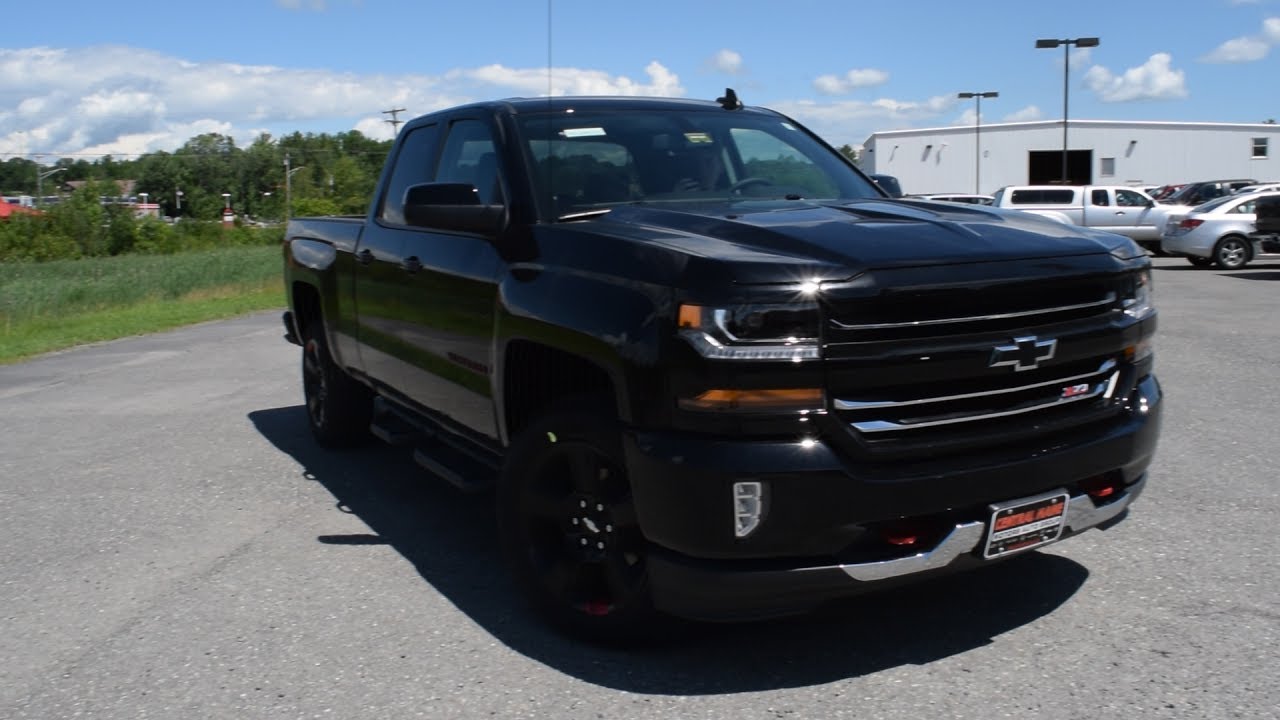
(1231, 253)
(339, 408)
(568, 527)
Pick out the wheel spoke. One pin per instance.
(620, 577)
(584, 469)
(545, 504)
(564, 577)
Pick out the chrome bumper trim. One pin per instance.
(1082, 514)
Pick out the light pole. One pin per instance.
(1066, 67)
(288, 187)
(977, 135)
(40, 176)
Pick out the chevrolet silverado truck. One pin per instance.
(709, 369)
(1115, 208)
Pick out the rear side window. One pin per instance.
(1051, 196)
(412, 167)
(1099, 198)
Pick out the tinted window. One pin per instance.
(1050, 196)
(412, 167)
(1099, 197)
(469, 156)
(591, 158)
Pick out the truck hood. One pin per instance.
(761, 241)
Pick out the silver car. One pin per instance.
(1216, 233)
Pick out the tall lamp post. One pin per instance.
(288, 187)
(1066, 67)
(977, 135)
(40, 183)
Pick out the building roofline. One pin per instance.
(1042, 124)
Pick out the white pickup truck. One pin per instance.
(1114, 208)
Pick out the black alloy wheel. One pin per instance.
(339, 408)
(570, 531)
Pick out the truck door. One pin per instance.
(1141, 221)
(379, 261)
(448, 292)
(1100, 211)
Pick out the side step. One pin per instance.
(440, 452)
(458, 467)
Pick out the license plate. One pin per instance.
(1025, 524)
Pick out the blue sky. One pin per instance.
(84, 78)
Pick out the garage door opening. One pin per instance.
(1044, 167)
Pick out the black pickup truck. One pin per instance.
(710, 368)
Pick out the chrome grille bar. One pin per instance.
(930, 412)
(1109, 299)
(870, 405)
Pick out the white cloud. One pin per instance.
(316, 5)
(851, 80)
(726, 61)
(852, 121)
(1239, 50)
(1153, 80)
(1271, 30)
(121, 100)
(573, 81)
(1026, 114)
(1249, 48)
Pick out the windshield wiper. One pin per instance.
(584, 214)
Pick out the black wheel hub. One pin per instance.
(581, 529)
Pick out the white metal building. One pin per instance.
(1100, 152)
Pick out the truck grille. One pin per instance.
(919, 372)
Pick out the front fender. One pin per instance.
(613, 323)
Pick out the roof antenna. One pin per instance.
(730, 100)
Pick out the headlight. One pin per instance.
(1138, 304)
(752, 332)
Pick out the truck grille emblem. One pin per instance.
(1025, 353)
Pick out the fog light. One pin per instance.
(748, 507)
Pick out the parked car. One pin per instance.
(1260, 187)
(1196, 193)
(960, 198)
(1162, 193)
(1115, 208)
(889, 184)
(1217, 232)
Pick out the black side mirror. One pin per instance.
(452, 206)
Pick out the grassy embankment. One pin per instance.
(54, 305)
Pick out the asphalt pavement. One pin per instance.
(175, 546)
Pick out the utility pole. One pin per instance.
(395, 120)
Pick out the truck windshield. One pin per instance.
(587, 162)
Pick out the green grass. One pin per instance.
(55, 305)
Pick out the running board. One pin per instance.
(437, 450)
(457, 467)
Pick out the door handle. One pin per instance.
(411, 264)
(364, 257)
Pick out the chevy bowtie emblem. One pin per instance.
(1025, 353)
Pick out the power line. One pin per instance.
(395, 120)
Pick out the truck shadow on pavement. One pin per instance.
(449, 538)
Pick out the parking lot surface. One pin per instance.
(176, 546)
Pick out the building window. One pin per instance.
(1108, 168)
(1260, 147)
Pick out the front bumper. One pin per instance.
(705, 591)
(825, 510)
